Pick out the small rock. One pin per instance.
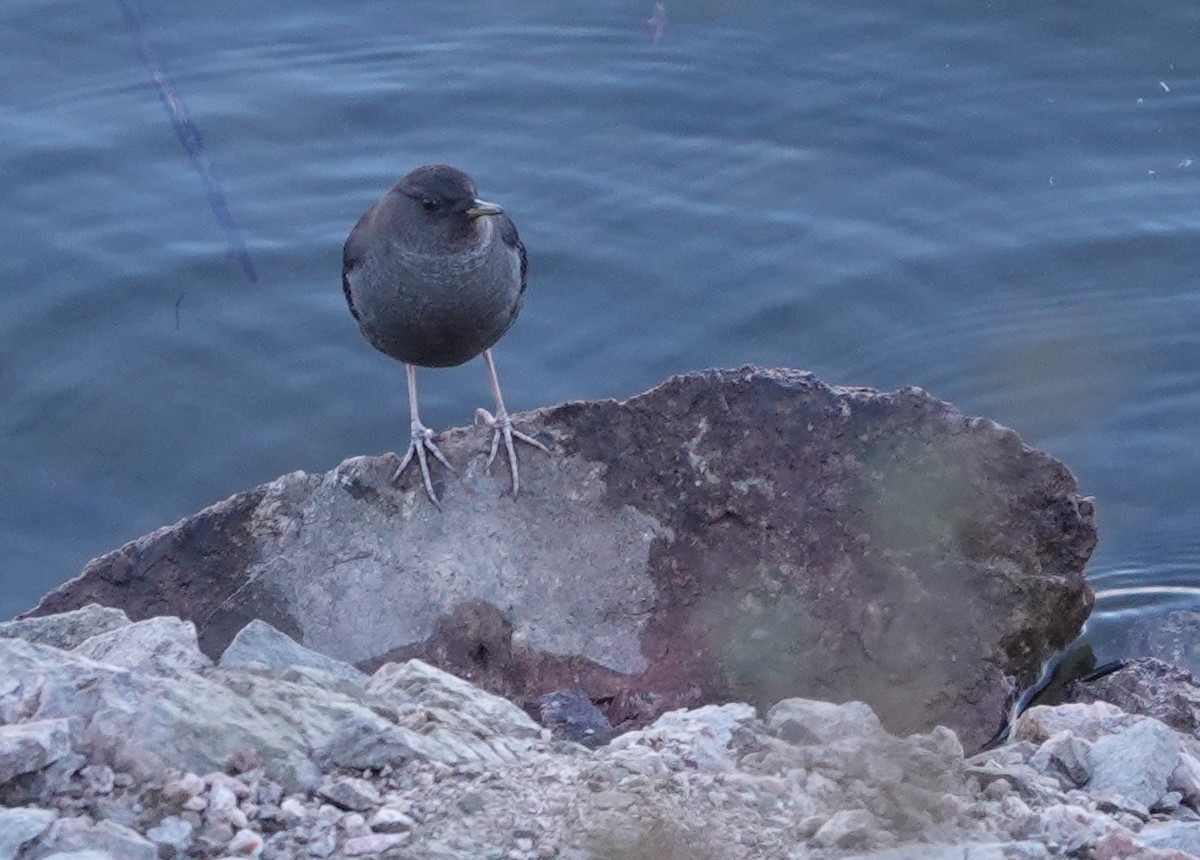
(847, 828)
(613, 799)
(1063, 754)
(571, 716)
(240, 789)
(215, 835)
(351, 793)
(471, 803)
(183, 789)
(172, 831)
(293, 809)
(998, 789)
(376, 843)
(245, 759)
(98, 779)
(221, 797)
(245, 843)
(389, 819)
(322, 846)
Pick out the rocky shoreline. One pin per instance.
(123, 741)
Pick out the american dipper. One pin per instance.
(435, 276)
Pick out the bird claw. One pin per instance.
(422, 440)
(502, 429)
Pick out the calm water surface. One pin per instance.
(997, 201)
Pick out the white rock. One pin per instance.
(1090, 721)
(847, 827)
(1182, 836)
(389, 819)
(20, 825)
(240, 789)
(1064, 754)
(1072, 827)
(698, 738)
(66, 629)
(805, 721)
(221, 797)
(293, 809)
(149, 726)
(164, 646)
(75, 834)
(415, 686)
(245, 843)
(173, 831)
(1137, 762)
(187, 786)
(29, 747)
(376, 843)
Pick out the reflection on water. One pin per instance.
(995, 202)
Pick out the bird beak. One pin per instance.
(479, 208)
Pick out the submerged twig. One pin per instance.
(189, 135)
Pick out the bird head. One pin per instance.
(443, 205)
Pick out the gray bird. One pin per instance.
(435, 276)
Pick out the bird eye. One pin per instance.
(428, 203)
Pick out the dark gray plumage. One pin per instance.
(435, 276)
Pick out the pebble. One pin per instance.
(376, 843)
(245, 843)
(389, 819)
(351, 793)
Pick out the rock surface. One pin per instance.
(1147, 686)
(809, 780)
(66, 629)
(729, 535)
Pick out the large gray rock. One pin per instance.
(259, 645)
(729, 535)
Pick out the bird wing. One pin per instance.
(508, 234)
(351, 259)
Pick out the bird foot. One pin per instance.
(422, 440)
(502, 429)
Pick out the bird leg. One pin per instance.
(502, 427)
(422, 439)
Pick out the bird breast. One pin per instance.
(437, 310)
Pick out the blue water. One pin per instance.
(998, 202)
